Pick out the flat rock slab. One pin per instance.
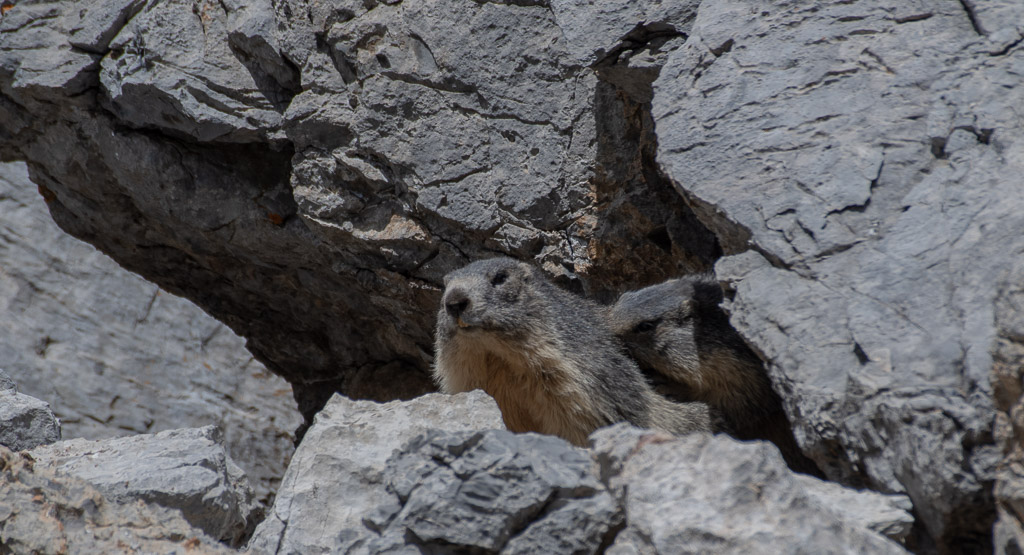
(46, 511)
(180, 469)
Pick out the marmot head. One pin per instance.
(498, 295)
(660, 324)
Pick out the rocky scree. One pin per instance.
(307, 173)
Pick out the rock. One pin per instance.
(184, 469)
(1008, 385)
(116, 355)
(42, 511)
(888, 515)
(50, 66)
(25, 422)
(336, 479)
(872, 152)
(198, 87)
(309, 172)
(93, 26)
(6, 383)
(703, 494)
(492, 491)
(495, 491)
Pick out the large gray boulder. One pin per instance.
(861, 162)
(115, 355)
(42, 511)
(335, 480)
(25, 422)
(186, 469)
(713, 494)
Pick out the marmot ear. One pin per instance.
(706, 295)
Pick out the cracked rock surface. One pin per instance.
(495, 491)
(713, 494)
(114, 355)
(870, 150)
(335, 480)
(42, 511)
(307, 172)
(185, 469)
(438, 475)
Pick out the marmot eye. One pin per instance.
(645, 326)
(499, 278)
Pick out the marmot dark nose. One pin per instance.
(456, 302)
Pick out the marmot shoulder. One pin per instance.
(545, 355)
(678, 330)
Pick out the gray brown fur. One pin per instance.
(545, 356)
(678, 330)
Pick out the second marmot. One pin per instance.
(545, 356)
(678, 330)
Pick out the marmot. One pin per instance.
(545, 356)
(678, 330)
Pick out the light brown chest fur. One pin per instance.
(537, 388)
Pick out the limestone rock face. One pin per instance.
(713, 494)
(888, 515)
(42, 511)
(184, 469)
(494, 491)
(427, 476)
(307, 172)
(114, 354)
(335, 480)
(855, 160)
